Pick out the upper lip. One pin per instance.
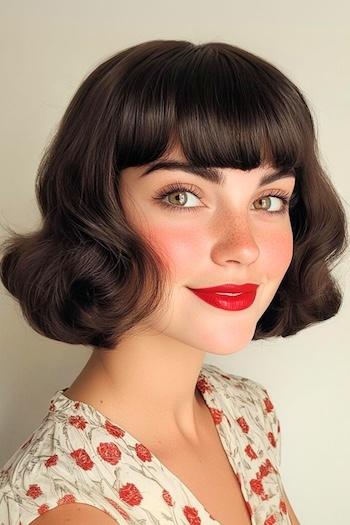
(230, 288)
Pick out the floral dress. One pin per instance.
(77, 454)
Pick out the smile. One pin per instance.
(226, 301)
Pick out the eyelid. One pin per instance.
(180, 186)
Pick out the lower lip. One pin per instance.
(227, 302)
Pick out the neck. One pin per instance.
(149, 379)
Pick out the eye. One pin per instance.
(179, 189)
(282, 206)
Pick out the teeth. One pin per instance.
(232, 294)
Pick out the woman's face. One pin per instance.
(228, 236)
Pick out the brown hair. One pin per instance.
(86, 277)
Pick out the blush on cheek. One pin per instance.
(279, 252)
(178, 248)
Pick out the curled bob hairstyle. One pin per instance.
(86, 276)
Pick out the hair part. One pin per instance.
(86, 276)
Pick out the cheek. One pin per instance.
(277, 252)
(178, 248)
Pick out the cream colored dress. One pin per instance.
(78, 455)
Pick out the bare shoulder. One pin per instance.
(77, 513)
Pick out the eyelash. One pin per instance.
(181, 188)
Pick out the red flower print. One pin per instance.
(143, 453)
(257, 487)
(112, 502)
(77, 405)
(191, 515)
(82, 459)
(203, 385)
(167, 498)
(130, 494)
(51, 461)
(109, 452)
(278, 426)
(118, 508)
(265, 469)
(216, 415)
(43, 508)
(283, 506)
(268, 404)
(67, 498)
(77, 422)
(114, 430)
(271, 439)
(122, 512)
(34, 491)
(270, 520)
(243, 424)
(52, 407)
(250, 452)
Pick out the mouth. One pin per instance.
(231, 301)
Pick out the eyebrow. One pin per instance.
(212, 174)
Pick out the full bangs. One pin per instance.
(223, 106)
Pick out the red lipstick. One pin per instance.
(247, 293)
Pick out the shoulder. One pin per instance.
(50, 502)
(52, 474)
(249, 398)
(245, 388)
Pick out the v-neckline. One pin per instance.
(222, 428)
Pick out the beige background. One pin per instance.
(47, 48)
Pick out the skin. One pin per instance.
(225, 240)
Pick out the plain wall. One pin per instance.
(47, 48)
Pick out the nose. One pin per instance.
(234, 241)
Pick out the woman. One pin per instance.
(147, 433)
